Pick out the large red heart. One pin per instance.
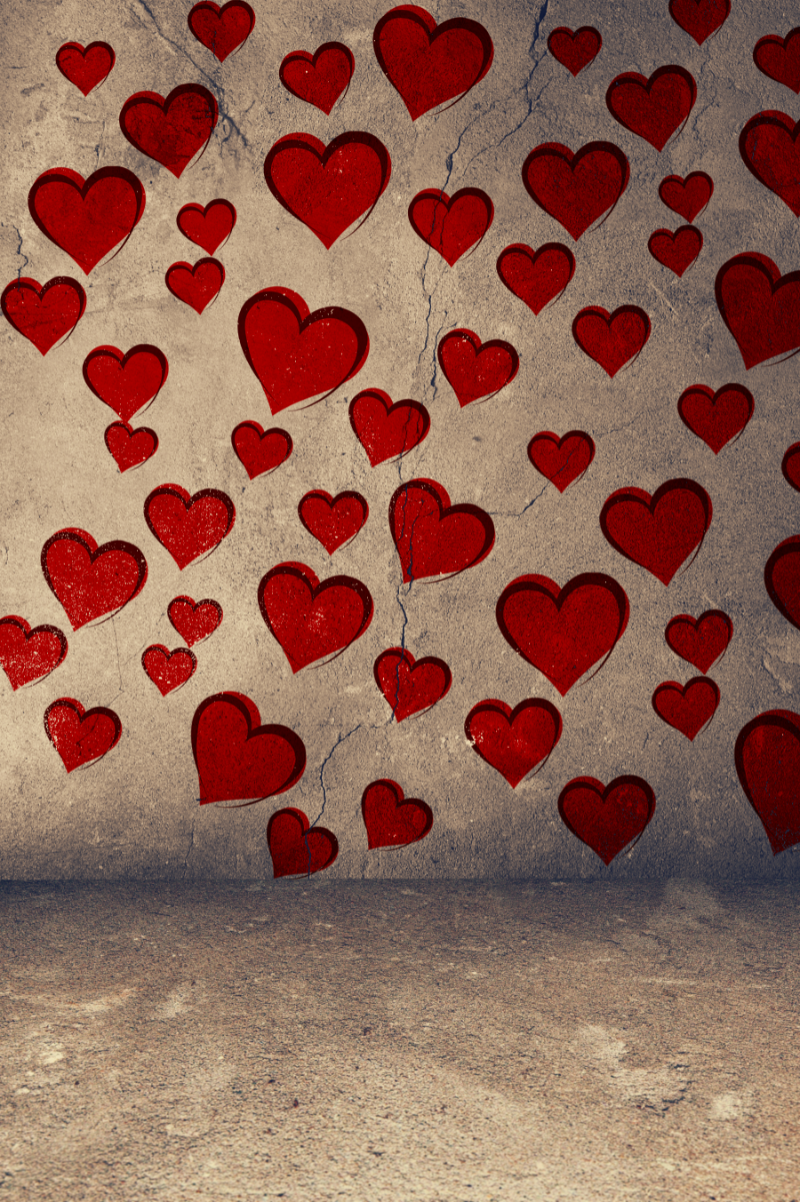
(687, 707)
(476, 370)
(130, 448)
(295, 848)
(536, 276)
(575, 50)
(612, 339)
(222, 30)
(391, 819)
(411, 686)
(27, 655)
(563, 632)
(767, 758)
(328, 188)
(126, 383)
(790, 466)
(513, 741)
(207, 226)
(576, 189)
(81, 736)
(296, 354)
(716, 417)
(433, 537)
(194, 620)
(606, 819)
(652, 108)
(677, 249)
(85, 68)
(779, 58)
(387, 431)
(699, 18)
(451, 225)
(167, 669)
(333, 521)
(782, 578)
(309, 620)
(189, 526)
(770, 148)
(760, 307)
(237, 758)
(319, 79)
(43, 313)
(561, 460)
(90, 581)
(687, 197)
(659, 532)
(170, 130)
(87, 218)
(198, 285)
(260, 450)
(700, 641)
(427, 63)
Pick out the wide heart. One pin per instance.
(433, 537)
(613, 340)
(126, 383)
(170, 130)
(207, 226)
(513, 741)
(687, 708)
(27, 655)
(43, 313)
(760, 307)
(295, 848)
(536, 276)
(89, 581)
(652, 108)
(87, 218)
(699, 18)
(700, 641)
(81, 736)
(189, 526)
(221, 30)
(687, 197)
(676, 249)
(260, 450)
(197, 285)
(85, 68)
(451, 225)
(319, 79)
(237, 758)
(387, 431)
(576, 189)
(194, 620)
(411, 686)
(660, 532)
(312, 621)
(167, 669)
(770, 148)
(333, 521)
(476, 370)
(130, 448)
(606, 819)
(561, 460)
(716, 417)
(767, 758)
(391, 819)
(575, 50)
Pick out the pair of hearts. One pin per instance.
(716, 417)
(194, 621)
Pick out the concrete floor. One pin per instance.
(399, 1042)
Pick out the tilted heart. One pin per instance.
(606, 819)
(237, 758)
(770, 148)
(194, 620)
(687, 197)
(652, 108)
(716, 417)
(198, 285)
(319, 79)
(779, 58)
(476, 370)
(391, 819)
(207, 226)
(81, 736)
(260, 450)
(760, 307)
(170, 130)
(89, 581)
(700, 641)
(167, 669)
(87, 218)
(513, 741)
(296, 848)
(782, 579)
(411, 686)
(790, 466)
(387, 431)
(312, 621)
(27, 655)
(676, 249)
(433, 537)
(222, 30)
(451, 225)
(767, 758)
(688, 708)
(43, 313)
(130, 448)
(660, 532)
(189, 526)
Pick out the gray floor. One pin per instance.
(458, 1042)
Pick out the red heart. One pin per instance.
(387, 431)
(677, 250)
(574, 50)
(561, 460)
(474, 370)
(196, 286)
(770, 148)
(563, 632)
(687, 197)
(222, 30)
(689, 707)
(126, 383)
(319, 79)
(390, 820)
(760, 307)
(208, 227)
(44, 314)
(411, 686)
(87, 219)
(85, 68)
(576, 189)
(90, 581)
(779, 58)
(433, 537)
(296, 354)
(652, 108)
(295, 848)
(606, 819)
(513, 741)
(309, 620)
(328, 188)
(239, 759)
(701, 640)
(790, 466)
(170, 130)
(333, 521)
(189, 526)
(767, 757)
(167, 669)
(27, 655)
(260, 450)
(612, 339)
(716, 417)
(661, 532)
(699, 18)
(130, 447)
(194, 621)
(451, 225)
(536, 277)
(427, 63)
(80, 736)
(782, 578)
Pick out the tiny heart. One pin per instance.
(189, 526)
(260, 450)
(319, 79)
(333, 521)
(207, 227)
(652, 108)
(387, 431)
(167, 669)
(767, 758)
(411, 686)
(660, 532)
(606, 819)
(130, 448)
(391, 819)
(536, 276)
(221, 30)
(575, 50)
(687, 707)
(782, 578)
(699, 18)
(687, 197)
(81, 736)
(760, 307)
(576, 189)
(790, 466)
(196, 286)
(779, 58)
(237, 758)
(677, 250)
(770, 148)
(27, 655)
(561, 460)
(613, 340)
(476, 370)
(716, 417)
(295, 848)
(451, 225)
(43, 313)
(700, 641)
(433, 537)
(194, 620)
(513, 741)
(312, 621)
(87, 218)
(85, 68)
(170, 130)
(126, 383)
(89, 581)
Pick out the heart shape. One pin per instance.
(89, 581)
(85, 68)
(237, 758)
(782, 578)
(767, 758)
(387, 431)
(391, 819)
(198, 285)
(700, 641)
(260, 450)
(221, 30)
(716, 417)
(294, 848)
(536, 277)
(606, 819)
(87, 218)
(790, 466)
(614, 340)
(561, 460)
(333, 521)
(575, 50)
(770, 148)
(676, 250)
(171, 131)
(130, 448)
(126, 383)
(652, 108)
(576, 189)
(699, 18)
(81, 736)
(760, 307)
(513, 741)
(167, 669)
(209, 226)
(451, 225)
(476, 370)
(433, 537)
(194, 621)
(779, 58)
(687, 708)
(319, 79)
(411, 686)
(27, 655)
(660, 532)
(312, 621)
(43, 313)
(189, 526)
(687, 197)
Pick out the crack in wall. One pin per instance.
(325, 762)
(20, 252)
(188, 851)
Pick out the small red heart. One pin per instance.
(687, 707)
(476, 370)
(90, 581)
(207, 227)
(130, 447)
(536, 277)
(194, 621)
(687, 197)
(614, 340)
(770, 148)
(699, 18)
(411, 686)
(43, 313)
(319, 79)
(196, 286)
(451, 225)
(170, 130)
(433, 537)
(652, 108)
(700, 641)
(513, 741)
(782, 578)
(27, 655)
(387, 431)
(677, 250)
(87, 218)
(391, 819)
(126, 383)
(576, 189)
(260, 450)
(790, 466)
(81, 736)
(295, 848)
(767, 757)
(333, 521)
(574, 50)
(312, 621)
(561, 460)
(237, 758)
(221, 30)
(760, 307)
(85, 68)
(606, 819)
(660, 532)
(167, 669)
(716, 417)
(779, 58)
(189, 526)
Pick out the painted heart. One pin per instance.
(760, 307)
(716, 417)
(687, 708)
(699, 18)
(89, 581)
(328, 188)
(411, 686)
(677, 250)
(476, 370)
(237, 758)
(391, 819)
(779, 58)
(429, 64)
(81, 736)
(170, 130)
(575, 50)
(312, 621)
(513, 741)
(130, 448)
(790, 466)
(167, 669)
(222, 30)
(196, 286)
(27, 655)
(194, 620)
(652, 108)
(576, 189)
(614, 340)
(260, 450)
(561, 460)
(433, 537)
(189, 526)
(451, 225)
(87, 218)
(333, 521)
(770, 148)
(319, 79)
(387, 431)
(660, 532)
(700, 641)
(296, 354)
(687, 197)
(606, 819)
(563, 632)
(43, 313)
(536, 277)
(782, 578)
(126, 383)
(767, 758)
(295, 848)
(85, 68)
(209, 226)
